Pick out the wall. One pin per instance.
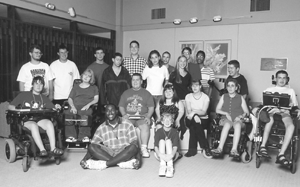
(100, 13)
(250, 43)
(137, 13)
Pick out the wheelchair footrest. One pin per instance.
(77, 145)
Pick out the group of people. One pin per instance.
(174, 98)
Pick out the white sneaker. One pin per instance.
(170, 171)
(162, 170)
(71, 139)
(145, 153)
(131, 164)
(96, 164)
(86, 139)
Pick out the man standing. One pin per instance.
(65, 72)
(134, 63)
(114, 143)
(98, 67)
(36, 68)
(115, 80)
(234, 73)
(166, 56)
(137, 104)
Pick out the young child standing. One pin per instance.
(233, 109)
(166, 142)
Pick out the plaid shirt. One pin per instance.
(122, 134)
(134, 66)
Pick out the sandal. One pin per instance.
(233, 153)
(217, 152)
(280, 159)
(57, 152)
(43, 153)
(263, 152)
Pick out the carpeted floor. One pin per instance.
(190, 172)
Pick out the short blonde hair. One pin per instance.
(92, 81)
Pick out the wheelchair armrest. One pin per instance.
(294, 112)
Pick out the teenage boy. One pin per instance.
(65, 72)
(115, 80)
(138, 102)
(35, 68)
(114, 143)
(234, 73)
(281, 88)
(166, 56)
(98, 67)
(135, 63)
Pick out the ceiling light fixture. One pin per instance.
(217, 18)
(177, 21)
(72, 12)
(193, 20)
(50, 6)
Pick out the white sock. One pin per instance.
(170, 163)
(143, 146)
(162, 162)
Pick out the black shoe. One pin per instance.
(208, 152)
(190, 153)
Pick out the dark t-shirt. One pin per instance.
(182, 89)
(161, 134)
(243, 84)
(136, 102)
(30, 100)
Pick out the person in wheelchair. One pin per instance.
(81, 98)
(35, 100)
(281, 88)
(233, 108)
(197, 119)
(114, 143)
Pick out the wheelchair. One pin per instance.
(20, 143)
(79, 122)
(244, 146)
(276, 138)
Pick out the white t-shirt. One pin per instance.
(155, 78)
(30, 70)
(197, 104)
(65, 73)
(284, 90)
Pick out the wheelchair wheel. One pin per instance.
(245, 157)
(257, 161)
(25, 163)
(205, 155)
(57, 160)
(294, 156)
(10, 150)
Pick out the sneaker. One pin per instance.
(71, 139)
(162, 170)
(96, 164)
(86, 139)
(131, 164)
(145, 153)
(170, 171)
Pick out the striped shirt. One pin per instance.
(207, 74)
(116, 137)
(134, 66)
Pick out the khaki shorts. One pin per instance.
(224, 120)
(138, 122)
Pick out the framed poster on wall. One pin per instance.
(218, 53)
